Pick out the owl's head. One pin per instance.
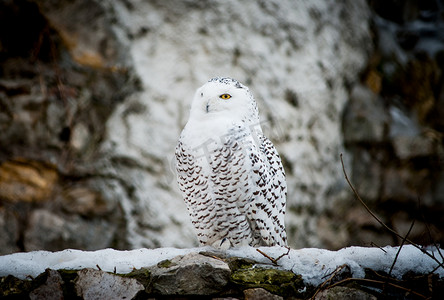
(224, 97)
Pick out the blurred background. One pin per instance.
(94, 94)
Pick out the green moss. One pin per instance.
(276, 281)
(12, 286)
(261, 275)
(68, 274)
(69, 277)
(165, 264)
(142, 275)
(235, 263)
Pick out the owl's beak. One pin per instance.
(207, 107)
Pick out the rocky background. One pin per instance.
(94, 94)
(393, 126)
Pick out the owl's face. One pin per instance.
(223, 97)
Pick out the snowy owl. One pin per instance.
(229, 173)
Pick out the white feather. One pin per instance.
(230, 175)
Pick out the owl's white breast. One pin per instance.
(214, 129)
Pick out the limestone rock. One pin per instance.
(108, 101)
(282, 50)
(80, 137)
(404, 185)
(62, 232)
(400, 172)
(367, 173)
(93, 284)
(272, 279)
(260, 294)
(28, 181)
(85, 201)
(192, 274)
(407, 147)
(365, 118)
(88, 45)
(52, 289)
(9, 232)
(14, 288)
(345, 293)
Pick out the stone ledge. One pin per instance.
(214, 276)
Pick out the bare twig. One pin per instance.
(382, 276)
(333, 274)
(400, 247)
(432, 240)
(385, 282)
(274, 261)
(282, 255)
(382, 223)
(377, 282)
(375, 245)
(363, 203)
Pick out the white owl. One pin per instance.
(230, 174)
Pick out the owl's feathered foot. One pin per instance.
(223, 244)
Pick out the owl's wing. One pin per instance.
(193, 185)
(214, 190)
(267, 209)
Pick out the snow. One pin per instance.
(313, 264)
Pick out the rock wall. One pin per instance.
(393, 127)
(55, 101)
(295, 59)
(94, 94)
(214, 276)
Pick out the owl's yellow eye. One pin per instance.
(225, 96)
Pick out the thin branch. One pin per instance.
(429, 231)
(400, 247)
(382, 223)
(274, 260)
(288, 251)
(333, 274)
(267, 256)
(321, 287)
(385, 277)
(375, 245)
(363, 203)
(378, 282)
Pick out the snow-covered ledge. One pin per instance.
(171, 271)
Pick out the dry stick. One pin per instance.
(379, 282)
(434, 270)
(321, 287)
(382, 223)
(267, 256)
(400, 247)
(282, 255)
(274, 260)
(385, 277)
(429, 231)
(434, 243)
(375, 245)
